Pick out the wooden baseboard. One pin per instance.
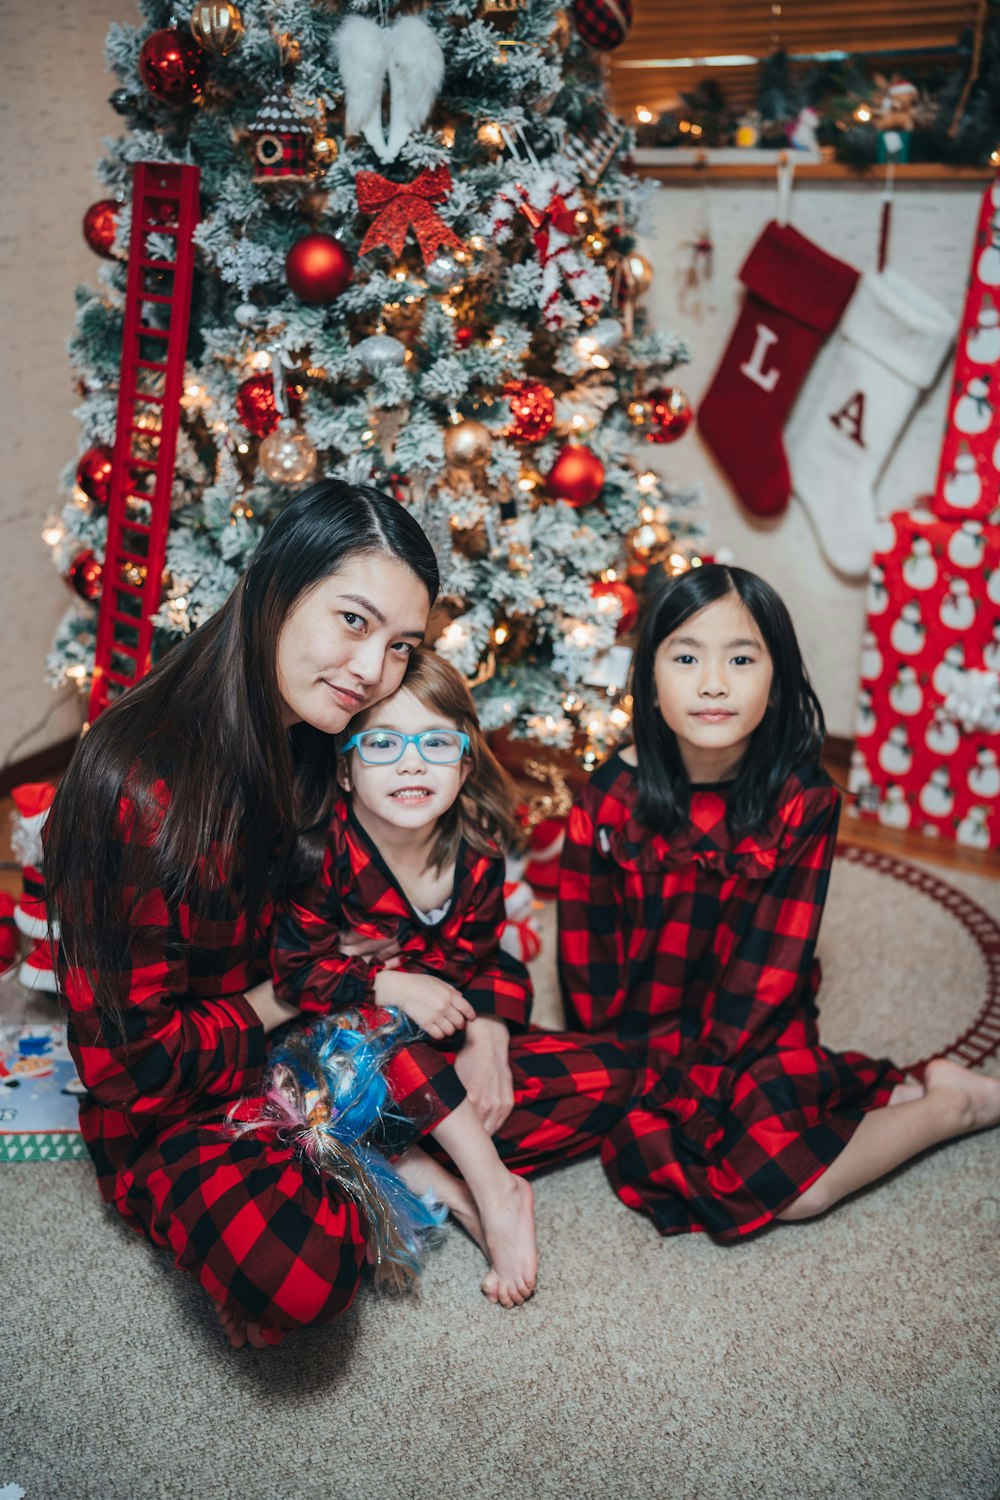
(45, 765)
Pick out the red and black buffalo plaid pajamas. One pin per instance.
(697, 952)
(254, 1223)
(568, 1089)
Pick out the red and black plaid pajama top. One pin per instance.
(569, 1089)
(697, 952)
(253, 1222)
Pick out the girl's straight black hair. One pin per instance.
(790, 733)
(248, 800)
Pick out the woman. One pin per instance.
(192, 803)
(197, 801)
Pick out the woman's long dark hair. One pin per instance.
(207, 722)
(790, 733)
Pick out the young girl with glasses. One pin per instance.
(416, 854)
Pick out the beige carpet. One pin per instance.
(856, 1358)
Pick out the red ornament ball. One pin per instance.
(318, 268)
(173, 66)
(603, 24)
(532, 409)
(464, 336)
(93, 474)
(626, 598)
(669, 414)
(576, 476)
(84, 576)
(256, 406)
(100, 224)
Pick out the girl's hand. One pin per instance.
(484, 1068)
(271, 1011)
(432, 1004)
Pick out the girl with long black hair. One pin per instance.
(691, 891)
(191, 806)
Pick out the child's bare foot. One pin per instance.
(975, 1097)
(421, 1172)
(490, 1285)
(239, 1333)
(508, 1214)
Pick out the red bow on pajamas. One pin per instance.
(400, 206)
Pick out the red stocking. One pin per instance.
(795, 296)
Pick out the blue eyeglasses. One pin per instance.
(383, 747)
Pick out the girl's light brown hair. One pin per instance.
(483, 812)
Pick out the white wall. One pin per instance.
(53, 112)
(931, 244)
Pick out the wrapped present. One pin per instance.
(968, 482)
(927, 753)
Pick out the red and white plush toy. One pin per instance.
(8, 932)
(519, 935)
(546, 842)
(32, 802)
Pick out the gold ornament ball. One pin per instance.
(467, 443)
(489, 134)
(287, 456)
(325, 150)
(638, 412)
(641, 273)
(218, 27)
(650, 540)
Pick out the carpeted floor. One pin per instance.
(853, 1358)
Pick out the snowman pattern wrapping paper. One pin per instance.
(933, 615)
(968, 483)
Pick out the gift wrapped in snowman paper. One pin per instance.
(968, 482)
(927, 753)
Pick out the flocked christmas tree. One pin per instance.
(415, 267)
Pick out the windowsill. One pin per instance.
(734, 164)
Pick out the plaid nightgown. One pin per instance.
(698, 953)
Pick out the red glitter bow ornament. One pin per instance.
(549, 200)
(401, 206)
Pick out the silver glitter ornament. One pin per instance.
(443, 272)
(381, 352)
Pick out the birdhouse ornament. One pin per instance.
(281, 139)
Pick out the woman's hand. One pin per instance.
(271, 1012)
(483, 1066)
(432, 1004)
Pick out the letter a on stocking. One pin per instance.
(794, 298)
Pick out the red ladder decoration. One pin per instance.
(157, 312)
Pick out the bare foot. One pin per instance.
(490, 1285)
(421, 1172)
(976, 1096)
(239, 1333)
(508, 1215)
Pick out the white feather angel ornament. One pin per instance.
(407, 56)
